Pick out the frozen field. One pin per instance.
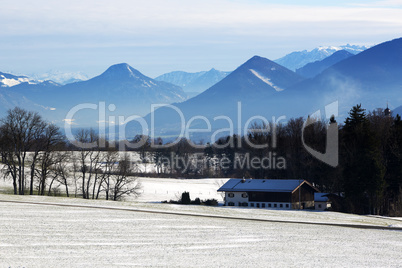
(159, 189)
(33, 235)
(52, 236)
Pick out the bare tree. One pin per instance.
(86, 142)
(46, 156)
(20, 130)
(122, 184)
(109, 168)
(62, 171)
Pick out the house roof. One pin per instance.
(250, 185)
(320, 197)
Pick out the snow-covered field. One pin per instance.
(34, 235)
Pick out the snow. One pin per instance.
(145, 84)
(10, 82)
(51, 236)
(265, 80)
(35, 235)
(60, 77)
(261, 185)
(331, 48)
(13, 82)
(129, 70)
(160, 189)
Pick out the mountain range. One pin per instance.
(257, 89)
(193, 83)
(371, 78)
(61, 78)
(9, 80)
(266, 90)
(298, 59)
(121, 85)
(397, 110)
(254, 85)
(314, 68)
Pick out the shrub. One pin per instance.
(197, 201)
(211, 202)
(185, 198)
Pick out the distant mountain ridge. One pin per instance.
(60, 77)
(265, 89)
(314, 68)
(254, 85)
(130, 91)
(371, 78)
(298, 59)
(397, 110)
(9, 80)
(257, 88)
(193, 82)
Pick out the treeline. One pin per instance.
(367, 179)
(36, 156)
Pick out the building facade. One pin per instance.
(272, 194)
(321, 201)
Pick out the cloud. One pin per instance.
(70, 121)
(157, 16)
(158, 36)
(105, 121)
(385, 3)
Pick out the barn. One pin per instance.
(275, 194)
(321, 201)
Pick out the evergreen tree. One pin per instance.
(363, 173)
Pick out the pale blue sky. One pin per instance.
(158, 36)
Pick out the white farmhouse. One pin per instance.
(275, 194)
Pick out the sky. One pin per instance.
(159, 36)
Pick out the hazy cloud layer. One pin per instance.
(158, 36)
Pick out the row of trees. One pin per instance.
(35, 155)
(368, 178)
(369, 174)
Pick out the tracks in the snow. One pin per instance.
(357, 226)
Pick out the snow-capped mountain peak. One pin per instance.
(9, 80)
(298, 59)
(61, 77)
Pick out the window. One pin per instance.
(275, 205)
(269, 205)
(230, 195)
(258, 205)
(287, 205)
(252, 204)
(281, 205)
(319, 206)
(244, 195)
(231, 204)
(245, 204)
(263, 205)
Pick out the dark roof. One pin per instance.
(250, 185)
(321, 197)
